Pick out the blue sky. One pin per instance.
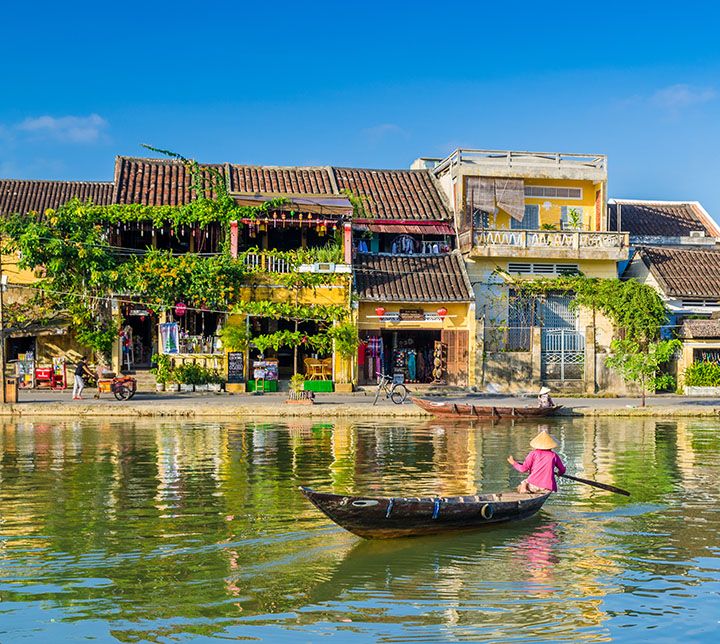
(372, 84)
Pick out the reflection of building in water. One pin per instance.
(342, 468)
(200, 450)
(455, 457)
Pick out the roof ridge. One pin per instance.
(83, 181)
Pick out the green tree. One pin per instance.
(638, 363)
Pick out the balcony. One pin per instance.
(508, 163)
(550, 244)
(262, 262)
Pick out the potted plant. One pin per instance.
(215, 381)
(186, 377)
(202, 377)
(162, 370)
(297, 393)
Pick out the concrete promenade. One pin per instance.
(199, 405)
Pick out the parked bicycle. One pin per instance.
(395, 391)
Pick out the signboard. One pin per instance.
(180, 309)
(138, 312)
(412, 314)
(236, 367)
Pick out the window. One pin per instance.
(543, 269)
(572, 218)
(530, 221)
(553, 192)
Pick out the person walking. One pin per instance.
(542, 463)
(81, 370)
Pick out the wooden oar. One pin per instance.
(602, 486)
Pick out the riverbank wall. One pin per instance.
(52, 404)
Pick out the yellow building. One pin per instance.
(528, 215)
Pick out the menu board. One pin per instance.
(236, 367)
(265, 369)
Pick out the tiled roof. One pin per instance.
(661, 218)
(412, 278)
(23, 196)
(684, 272)
(700, 329)
(154, 182)
(280, 180)
(395, 194)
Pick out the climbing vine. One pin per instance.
(634, 308)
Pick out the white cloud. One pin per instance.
(66, 129)
(378, 133)
(675, 98)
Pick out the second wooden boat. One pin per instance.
(391, 517)
(450, 409)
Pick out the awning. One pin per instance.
(320, 204)
(431, 228)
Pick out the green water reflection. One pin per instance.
(167, 531)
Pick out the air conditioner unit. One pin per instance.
(697, 233)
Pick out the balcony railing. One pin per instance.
(551, 243)
(510, 158)
(264, 262)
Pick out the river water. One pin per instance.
(175, 531)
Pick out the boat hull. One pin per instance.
(448, 409)
(393, 517)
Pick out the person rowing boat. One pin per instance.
(542, 463)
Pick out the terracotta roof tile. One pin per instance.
(395, 194)
(280, 180)
(684, 272)
(700, 329)
(412, 278)
(661, 219)
(23, 196)
(154, 182)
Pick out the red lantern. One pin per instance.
(180, 309)
(379, 311)
(442, 312)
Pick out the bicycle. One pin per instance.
(395, 391)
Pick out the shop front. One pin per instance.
(415, 343)
(416, 319)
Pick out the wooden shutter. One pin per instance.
(457, 356)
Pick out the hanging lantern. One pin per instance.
(442, 312)
(380, 311)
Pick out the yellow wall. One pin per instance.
(460, 317)
(479, 269)
(552, 215)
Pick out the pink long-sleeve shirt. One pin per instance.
(542, 464)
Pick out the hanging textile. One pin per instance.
(482, 193)
(170, 337)
(510, 196)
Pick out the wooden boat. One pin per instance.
(446, 408)
(391, 517)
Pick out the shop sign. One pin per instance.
(412, 314)
(180, 309)
(139, 312)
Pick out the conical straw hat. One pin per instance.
(543, 441)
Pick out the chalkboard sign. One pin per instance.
(236, 367)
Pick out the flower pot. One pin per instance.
(159, 386)
(215, 387)
(203, 387)
(186, 388)
(172, 386)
